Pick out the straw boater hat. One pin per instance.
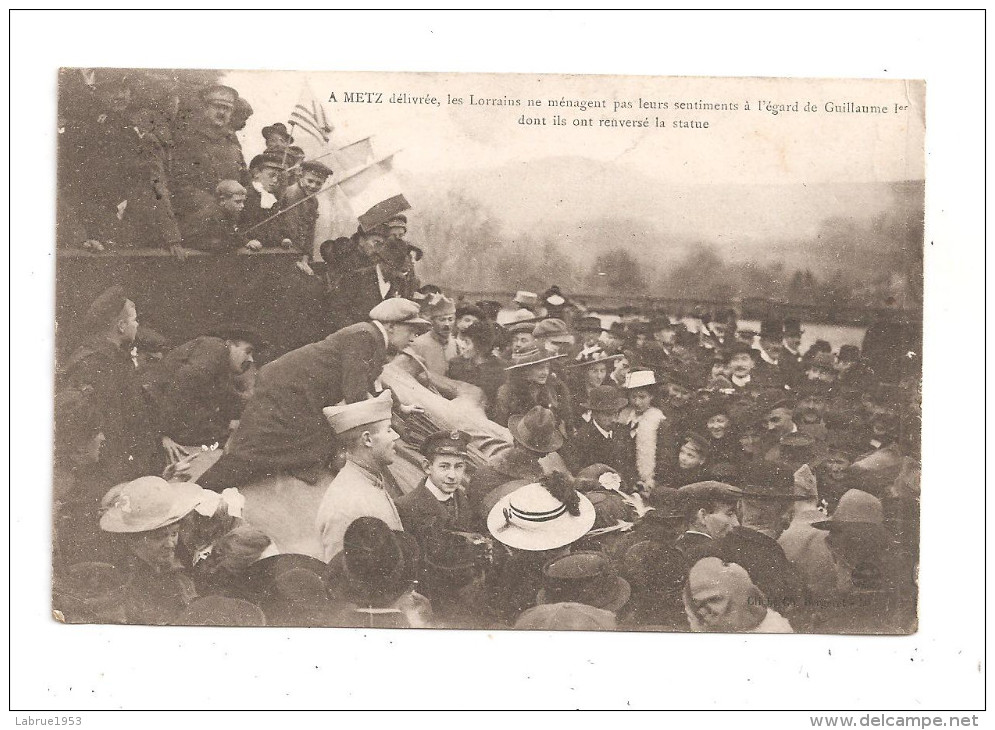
(530, 357)
(149, 503)
(530, 518)
(639, 379)
(522, 320)
(526, 298)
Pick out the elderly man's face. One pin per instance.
(233, 205)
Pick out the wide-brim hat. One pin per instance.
(278, 128)
(530, 357)
(536, 430)
(522, 320)
(148, 503)
(855, 508)
(530, 518)
(595, 357)
(585, 576)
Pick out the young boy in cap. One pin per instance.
(214, 226)
(439, 502)
(362, 486)
(302, 207)
(261, 203)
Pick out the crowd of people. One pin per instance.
(568, 470)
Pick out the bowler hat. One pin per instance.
(531, 518)
(588, 324)
(584, 577)
(278, 128)
(604, 398)
(536, 430)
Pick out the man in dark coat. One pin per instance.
(598, 439)
(193, 389)
(206, 152)
(282, 428)
(710, 512)
(767, 505)
(102, 419)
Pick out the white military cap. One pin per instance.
(353, 415)
(399, 310)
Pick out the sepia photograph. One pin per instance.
(484, 351)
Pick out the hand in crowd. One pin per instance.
(174, 451)
(93, 245)
(410, 410)
(254, 245)
(179, 471)
(303, 266)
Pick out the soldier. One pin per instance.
(101, 409)
(434, 350)
(206, 152)
(359, 489)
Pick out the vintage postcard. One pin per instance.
(488, 351)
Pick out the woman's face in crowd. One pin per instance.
(678, 395)
(717, 425)
(537, 374)
(640, 400)
(158, 547)
(596, 374)
(465, 321)
(689, 457)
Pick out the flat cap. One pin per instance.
(218, 94)
(317, 167)
(401, 311)
(353, 415)
(554, 330)
(709, 491)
